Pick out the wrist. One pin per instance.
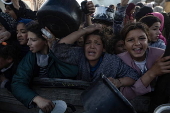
(151, 74)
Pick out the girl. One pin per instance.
(146, 60)
(22, 36)
(92, 60)
(38, 62)
(154, 25)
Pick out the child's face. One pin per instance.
(37, 44)
(10, 12)
(136, 43)
(93, 48)
(22, 34)
(154, 31)
(119, 47)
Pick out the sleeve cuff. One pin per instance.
(3, 83)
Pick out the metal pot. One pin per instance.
(62, 17)
(104, 97)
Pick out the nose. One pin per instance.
(137, 42)
(28, 43)
(91, 45)
(159, 32)
(6, 11)
(18, 34)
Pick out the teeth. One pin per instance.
(137, 49)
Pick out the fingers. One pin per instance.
(48, 108)
(90, 7)
(165, 58)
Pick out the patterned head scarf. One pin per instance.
(7, 21)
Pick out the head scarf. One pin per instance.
(161, 17)
(25, 21)
(129, 8)
(7, 21)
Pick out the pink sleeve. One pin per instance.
(137, 89)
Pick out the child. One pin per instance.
(154, 25)
(92, 60)
(41, 62)
(8, 64)
(22, 36)
(146, 60)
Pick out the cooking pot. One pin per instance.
(62, 17)
(104, 97)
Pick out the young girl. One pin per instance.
(22, 36)
(154, 25)
(38, 62)
(92, 60)
(146, 60)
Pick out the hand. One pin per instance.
(162, 66)
(124, 2)
(90, 7)
(16, 4)
(116, 82)
(91, 28)
(4, 36)
(44, 104)
(50, 40)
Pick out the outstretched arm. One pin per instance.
(71, 38)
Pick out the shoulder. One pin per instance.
(154, 51)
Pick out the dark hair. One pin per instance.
(35, 27)
(106, 37)
(7, 51)
(149, 20)
(134, 26)
(142, 12)
(97, 32)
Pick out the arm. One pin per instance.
(119, 16)
(21, 81)
(71, 38)
(161, 67)
(23, 12)
(122, 82)
(91, 9)
(142, 85)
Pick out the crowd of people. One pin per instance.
(126, 43)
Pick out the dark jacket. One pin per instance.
(26, 72)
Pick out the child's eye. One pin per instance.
(87, 43)
(129, 40)
(98, 44)
(142, 38)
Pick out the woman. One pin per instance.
(154, 25)
(146, 60)
(92, 60)
(39, 62)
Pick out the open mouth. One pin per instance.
(137, 50)
(91, 53)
